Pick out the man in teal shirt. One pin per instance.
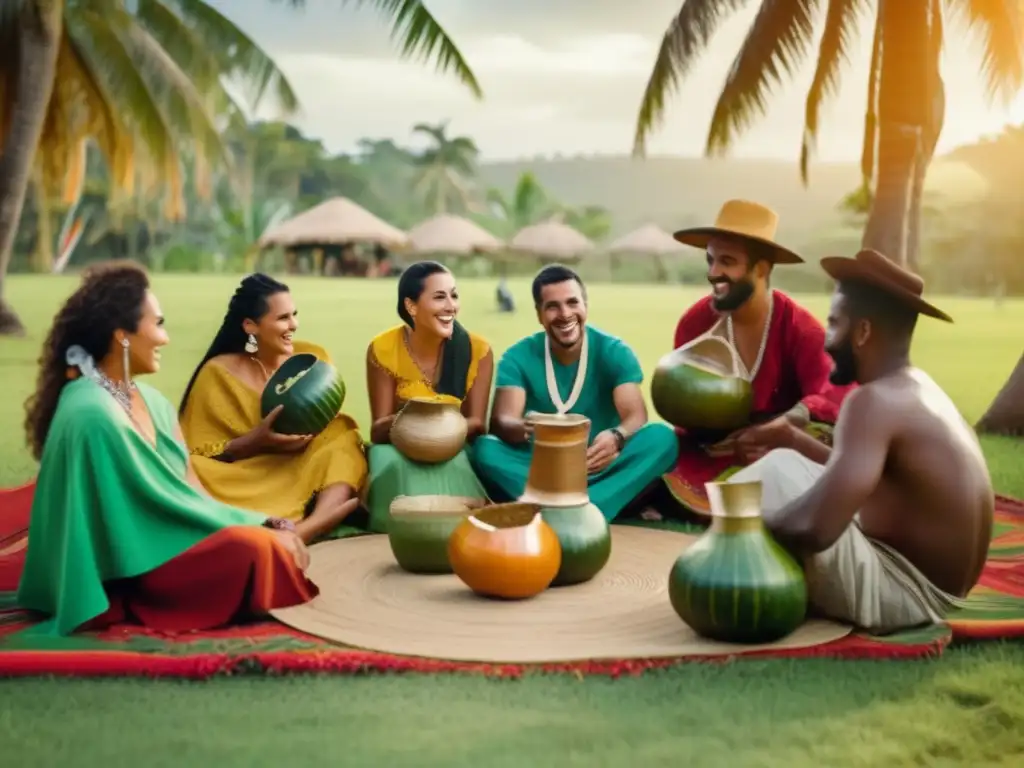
(571, 367)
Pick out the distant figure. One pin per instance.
(506, 302)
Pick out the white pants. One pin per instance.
(857, 580)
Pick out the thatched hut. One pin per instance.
(552, 240)
(649, 240)
(446, 233)
(334, 226)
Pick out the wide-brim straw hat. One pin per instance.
(871, 267)
(744, 220)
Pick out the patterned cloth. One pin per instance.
(995, 609)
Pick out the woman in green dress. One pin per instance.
(120, 528)
(429, 355)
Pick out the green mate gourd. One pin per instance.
(699, 388)
(585, 539)
(311, 391)
(736, 584)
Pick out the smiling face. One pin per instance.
(275, 331)
(434, 312)
(563, 312)
(731, 273)
(144, 345)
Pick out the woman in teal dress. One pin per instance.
(429, 355)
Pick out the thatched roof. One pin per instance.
(650, 238)
(446, 233)
(551, 238)
(334, 222)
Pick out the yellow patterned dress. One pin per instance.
(221, 407)
(391, 473)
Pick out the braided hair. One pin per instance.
(109, 298)
(249, 302)
(458, 350)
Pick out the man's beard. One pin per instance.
(737, 295)
(844, 370)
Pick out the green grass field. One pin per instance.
(965, 709)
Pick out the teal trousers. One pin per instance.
(648, 454)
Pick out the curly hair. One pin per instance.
(110, 298)
(250, 301)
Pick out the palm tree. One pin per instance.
(905, 103)
(142, 82)
(905, 100)
(445, 170)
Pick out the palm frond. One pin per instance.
(121, 85)
(189, 47)
(187, 108)
(181, 43)
(76, 112)
(1000, 23)
(841, 22)
(104, 124)
(416, 30)
(241, 57)
(777, 42)
(436, 132)
(419, 34)
(684, 40)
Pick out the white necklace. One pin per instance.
(577, 385)
(121, 393)
(764, 336)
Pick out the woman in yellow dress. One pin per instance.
(313, 480)
(428, 355)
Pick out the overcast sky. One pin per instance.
(562, 76)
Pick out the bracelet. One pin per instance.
(279, 524)
(620, 439)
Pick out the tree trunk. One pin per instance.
(42, 259)
(886, 228)
(904, 103)
(37, 40)
(930, 136)
(1006, 414)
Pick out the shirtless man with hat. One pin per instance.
(894, 529)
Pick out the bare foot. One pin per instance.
(325, 517)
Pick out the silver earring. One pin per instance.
(127, 365)
(251, 346)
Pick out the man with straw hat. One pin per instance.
(779, 345)
(893, 525)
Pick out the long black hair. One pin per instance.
(458, 350)
(250, 302)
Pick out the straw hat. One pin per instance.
(745, 220)
(871, 267)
